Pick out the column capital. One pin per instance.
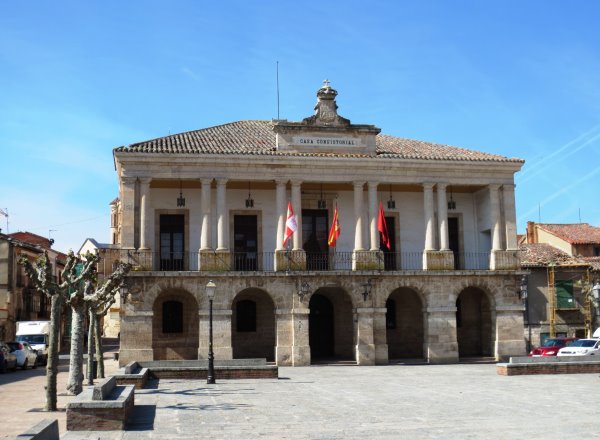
(509, 186)
(358, 183)
(296, 183)
(145, 180)
(428, 185)
(128, 180)
(222, 181)
(280, 182)
(494, 186)
(206, 181)
(373, 183)
(441, 185)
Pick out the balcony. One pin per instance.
(265, 261)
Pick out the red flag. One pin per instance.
(335, 230)
(382, 227)
(291, 225)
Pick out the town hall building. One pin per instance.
(212, 204)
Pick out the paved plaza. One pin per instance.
(466, 401)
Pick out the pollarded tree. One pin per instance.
(81, 282)
(98, 305)
(40, 274)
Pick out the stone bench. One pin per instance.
(198, 369)
(132, 374)
(103, 407)
(47, 429)
(549, 365)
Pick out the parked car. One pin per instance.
(7, 358)
(581, 347)
(26, 355)
(551, 346)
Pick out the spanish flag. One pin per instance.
(335, 230)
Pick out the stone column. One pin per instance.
(297, 257)
(221, 333)
(441, 344)
(373, 216)
(509, 332)
(145, 214)
(510, 217)
(222, 236)
(365, 344)
(380, 336)
(205, 204)
(281, 212)
(429, 216)
(443, 216)
(301, 347)
(136, 336)
(285, 337)
(358, 216)
(128, 212)
(297, 206)
(495, 217)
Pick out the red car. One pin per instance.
(551, 346)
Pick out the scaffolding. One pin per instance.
(583, 280)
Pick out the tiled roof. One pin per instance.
(258, 138)
(578, 233)
(542, 254)
(594, 262)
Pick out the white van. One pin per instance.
(36, 333)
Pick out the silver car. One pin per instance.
(26, 356)
(8, 360)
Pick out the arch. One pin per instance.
(474, 323)
(253, 332)
(175, 326)
(331, 325)
(405, 329)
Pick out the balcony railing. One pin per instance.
(315, 261)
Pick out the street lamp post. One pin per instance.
(210, 293)
(524, 295)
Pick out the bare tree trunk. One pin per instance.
(52, 364)
(75, 383)
(90, 347)
(98, 340)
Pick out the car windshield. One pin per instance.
(32, 339)
(554, 343)
(584, 343)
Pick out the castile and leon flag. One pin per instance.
(291, 225)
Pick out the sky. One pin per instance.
(77, 79)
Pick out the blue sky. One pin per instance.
(80, 78)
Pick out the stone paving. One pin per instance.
(385, 402)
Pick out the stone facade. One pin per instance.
(446, 287)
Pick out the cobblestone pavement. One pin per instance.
(385, 402)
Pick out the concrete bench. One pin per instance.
(549, 365)
(103, 407)
(132, 374)
(47, 429)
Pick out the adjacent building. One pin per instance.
(19, 300)
(212, 204)
(563, 261)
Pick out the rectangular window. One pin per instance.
(564, 294)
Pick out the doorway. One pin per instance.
(245, 242)
(172, 241)
(315, 232)
(321, 327)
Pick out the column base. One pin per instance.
(301, 356)
(365, 354)
(283, 356)
(505, 260)
(438, 260)
(294, 260)
(381, 354)
(214, 260)
(367, 260)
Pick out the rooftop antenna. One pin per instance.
(4, 212)
(539, 213)
(579, 215)
(51, 240)
(277, 90)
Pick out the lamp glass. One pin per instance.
(210, 289)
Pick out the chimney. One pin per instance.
(531, 233)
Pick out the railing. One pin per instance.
(315, 261)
